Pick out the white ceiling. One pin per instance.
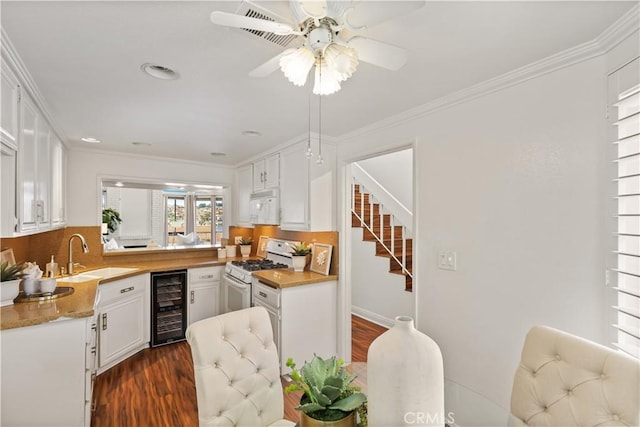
(85, 58)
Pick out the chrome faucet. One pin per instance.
(85, 249)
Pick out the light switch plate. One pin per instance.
(447, 260)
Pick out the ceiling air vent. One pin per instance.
(251, 10)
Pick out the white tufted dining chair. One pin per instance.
(564, 380)
(236, 370)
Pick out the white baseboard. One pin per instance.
(372, 317)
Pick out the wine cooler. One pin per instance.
(169, 310)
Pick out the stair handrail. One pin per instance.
(382, 195)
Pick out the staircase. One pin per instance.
(391, 240)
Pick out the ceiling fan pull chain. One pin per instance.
(320, 160)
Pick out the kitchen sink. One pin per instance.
(108, 272)
(100, 273)
(79, 278)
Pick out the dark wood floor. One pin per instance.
(156, 387)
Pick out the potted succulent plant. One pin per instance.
(329, 399)
(10, 275)
(300, 254)
(245, 246)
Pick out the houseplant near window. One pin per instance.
(10, 275)
(300, 255)
(245, 246)
(111, 217)
(329, 399)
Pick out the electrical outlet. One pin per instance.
(238, 240)
(447, 260)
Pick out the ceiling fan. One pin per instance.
(327, 31)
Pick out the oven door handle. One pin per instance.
(237, 284)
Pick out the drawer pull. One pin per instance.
(104, 321)
(129, 289)
(262, 294)
(93, 350)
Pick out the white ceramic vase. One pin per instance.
(8, 291)
(405, 378)
(245, 250)
(299, 262)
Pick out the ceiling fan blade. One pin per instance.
(239, 21)
(378, 53)
(369, 13)
(316, 9)
(270, 66)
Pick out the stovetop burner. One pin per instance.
(259, 264)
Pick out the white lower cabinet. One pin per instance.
(287, 306)
(49, 382)
(123, 319)
(204, 293)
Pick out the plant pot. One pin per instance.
(8, 291)
(245, 250)
(348, 421)
(299, 262)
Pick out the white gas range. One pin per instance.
(237, 293)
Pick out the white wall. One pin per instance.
(511, 181)
(376, 294)
(394, 171)
(85, 167)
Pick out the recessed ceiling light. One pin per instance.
(251, 133)
(141, 144)
(119, 184)
(217, 154)
(90, 140)
(159, 72)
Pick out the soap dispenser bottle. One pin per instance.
(51, 269)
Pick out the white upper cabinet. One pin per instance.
(58, 175)
(33, 161)
(43, 174)
(10, 94)
(244, 187)
(27, 165)
(307, 195)
(294, 189)
(266, 173)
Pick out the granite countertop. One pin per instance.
(288, 278)
(81, 302)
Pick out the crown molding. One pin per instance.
(11, 57)
(624, 27)
(620, 30)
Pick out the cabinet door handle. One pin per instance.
(129, 289)
(93, 350)
(104, 321)
(193, 296)
(262, 294)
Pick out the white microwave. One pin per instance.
(264, 208)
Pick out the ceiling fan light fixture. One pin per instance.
(326, 80)
(297, 64)
(342, 60)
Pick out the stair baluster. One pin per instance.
(399, 258)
